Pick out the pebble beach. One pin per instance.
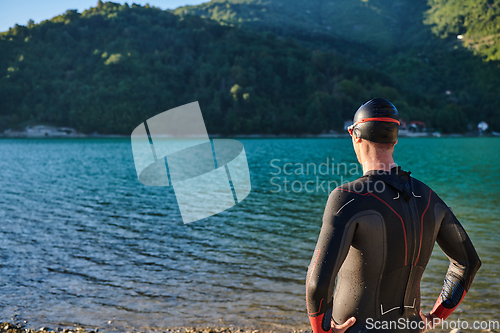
(23, 327)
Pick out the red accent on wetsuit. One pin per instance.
(422, 227)
(440, 311)
(316, 324)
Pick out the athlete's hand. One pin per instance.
(430, 321)
(342, 328)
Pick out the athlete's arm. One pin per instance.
(464, 263)
(331, 250)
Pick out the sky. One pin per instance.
(20, 11)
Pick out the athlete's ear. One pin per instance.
(395, 143)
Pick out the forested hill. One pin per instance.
(373, 22)
(380, 23)
(113, 66)
(412, 41)
(476, 21)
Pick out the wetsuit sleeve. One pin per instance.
(331, 250)
(464, 263)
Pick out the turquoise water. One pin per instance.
(83, 242)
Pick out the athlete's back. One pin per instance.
(377, 236)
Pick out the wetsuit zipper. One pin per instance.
(408, 226)
(412, 216)
(410, 231)
(415, 223)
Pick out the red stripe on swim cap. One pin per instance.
(384, 119)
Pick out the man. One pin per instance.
(377, 237)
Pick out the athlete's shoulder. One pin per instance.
(347, 191)
(354, 187)
(419, 188)
(347, 200)
(424, 191)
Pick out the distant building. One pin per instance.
(482, 126)
(417, 126)
(42, 130)
(39, 130)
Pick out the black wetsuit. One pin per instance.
(377, 236)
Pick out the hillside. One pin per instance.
(413, 42)
(110, 67)
(476, 21)
(375, 23)
(371, 22)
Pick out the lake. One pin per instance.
(83, 242)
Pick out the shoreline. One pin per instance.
(41, 131)
(9, 327)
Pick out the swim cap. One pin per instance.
(376, 120)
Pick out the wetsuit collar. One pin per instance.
(394, 170)
(396, 178)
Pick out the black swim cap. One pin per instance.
(376, 120)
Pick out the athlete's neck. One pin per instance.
(372, 158)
